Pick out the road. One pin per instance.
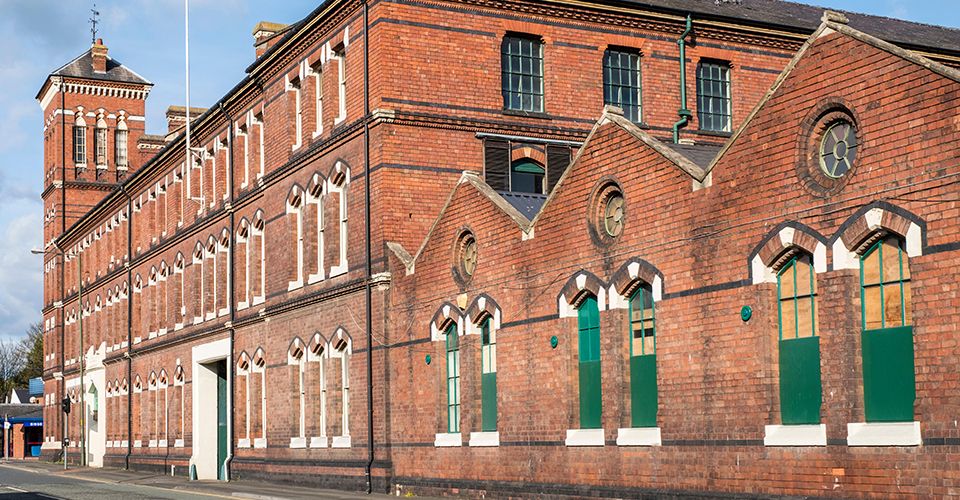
(35, 481)
(19, 484)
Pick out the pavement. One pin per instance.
(32, 480)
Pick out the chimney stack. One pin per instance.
(265, 34)
(99, 54)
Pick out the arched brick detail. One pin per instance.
(318, 348)
(780, 244)
(631, 274)
(871, 223)
(577, 288)
(446, 314)
(481, 308)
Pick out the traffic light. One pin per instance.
(65, 404)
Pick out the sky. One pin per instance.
(147, 36)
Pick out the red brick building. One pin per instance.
(399, 252)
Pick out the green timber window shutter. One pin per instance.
(588, 326)
(643, 359)
(799, 347)
(889, 385)
(558, 159)
(496, 164)
(453, 379)
(488, 377)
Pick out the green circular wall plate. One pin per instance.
(554, 342)
(746, 312)
(427, 359)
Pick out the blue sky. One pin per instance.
(147, 36)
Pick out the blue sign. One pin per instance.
(33, 424)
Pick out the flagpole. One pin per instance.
(187, 163)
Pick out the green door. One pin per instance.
(643, 359)
(799, 346)
(591, 401)
(221, 419)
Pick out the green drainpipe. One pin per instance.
(684, 113)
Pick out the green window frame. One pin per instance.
(889, 383)
(453, 379)
(714, 108)
(621, 82)
(522, 73)
(488, 377)
(799, 346)
(526, 176)
(643, 358)
(588, 336)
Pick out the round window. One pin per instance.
(838, 149)
(468, 259)
(613, 214)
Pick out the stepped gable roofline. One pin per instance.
(469, 179)
(833, 22)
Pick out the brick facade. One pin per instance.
(255, 258)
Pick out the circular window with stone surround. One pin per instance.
(829, 146)
(466, 252)
(607, 212)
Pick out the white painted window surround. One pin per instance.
(484, 439)
(448, 440)
(639, 436)
(585, 437)
(795, 435)
(884, 434)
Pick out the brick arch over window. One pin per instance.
(782, 243)
(629, 277)
(482, 308)
(447, 314)
(581, 285)
(871, 223)
(296, 350)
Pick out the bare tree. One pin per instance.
(30, 353)
(10, 365)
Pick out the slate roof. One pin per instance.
(21, 411)
(806, 17)
(700, 154)
(528, 204)
(82, 67)
(23, 395)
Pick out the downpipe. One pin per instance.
(683, 112)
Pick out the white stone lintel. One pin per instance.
(585, 437)
(491, 438)
(448, 439)
(639, 436)
(795, 435)
(884, 434)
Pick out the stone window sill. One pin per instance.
(260, 443)
(448, 439)
(585, 437)
(484, 439)
(884, 434)
(340, 442)
(298, 442)
(318, 442)
(795, 435)
(639, 436)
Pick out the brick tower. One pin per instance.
(93, 109)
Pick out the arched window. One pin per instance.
(317, 390)
(293, 85)
(588, 336)
(223, 273)
(313, 229)
(242, 256)
(799, 347)
(198, 283)
(210, 279)
(258, 394)
(342, 349)
(120, 144)
(295, 224)
(888, 366)
(177, 286)
(257, 257)
(526, 176)
(643, 358)
(243, 399)
(80, 141)
(296, 358)
(488, 376)
(179, 406)
(163, 410)
(100, 144)
(453, 378)
(338, 184)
